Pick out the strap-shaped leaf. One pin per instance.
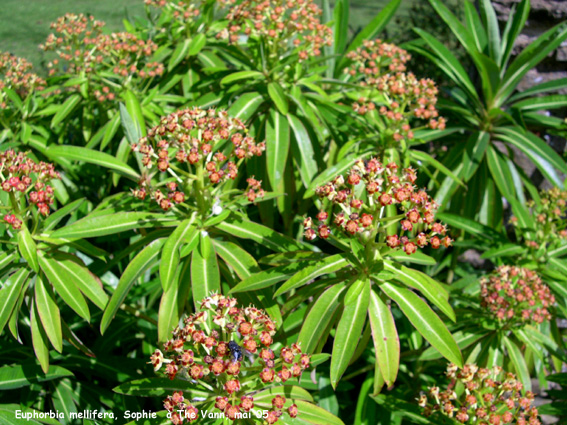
(519, 363)
(39, 339)
(507, 250)
(349, 328)
(425, 321)
(428, 159)
(492, 29)
(90, 156)
(159, 387)
(463, 339)
(474, 153)
(240, 75)
(19, 376)
(179, 53)
(341, 14)
(243, 264)
(65, 286)
(267, 278)
(48, 312)
(430, 288)
(101, 225)
(245, 229)
(470, 226)
(288, 391)
(205, 275)
(385, 338)
(170, 252)
(460, 31)
(548, 86)
(51, 221)
(319, 317)
(541, 103)
(139, 264)
(246, 105)
(279, 97)
(9, 295)
(500, 173)
(277, 147)
(315, 415)
(28, 248)
(328, 265)
(516, 21)
(64, 110)
(474, 25)
(302, 149)
(173, 301)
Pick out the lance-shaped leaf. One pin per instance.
(90, 156)
(349, 328)
(158, 387)
(109, 224)
(205, 275)
(170, 253)
(288, 391)
(246, 105)
(28, 248)
(173, 301)
(319, 317)
(500, 173)
(18, 376)
(65, 109)
(277, 147)
(519, 363)
(431, 289)
(328, 265)
(9, 295)
(302, 149)
(243, 264)
(425, 321)
(315, 415)
(39, 339)
(385, 338)
(139, 264)
(267, 278)
(242, 228)
(64, 286)
(241, 75)
(48, 312)
(278, 96)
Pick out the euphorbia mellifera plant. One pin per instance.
(233, 368)
(376, 217)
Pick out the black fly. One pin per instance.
(235, 350)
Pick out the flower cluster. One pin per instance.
(208, 142)
(21, 177)
(227, 351)
(517, 295)
(491, 396)
(550, 226)
(184, 12)
(81, 46)
(15, 74)
(284, 24)
(362, 208)
(398, 96)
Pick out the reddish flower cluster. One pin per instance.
(491, 396)
(362, 210)
(282, 23)
(399, 96)
(517, 295)
(81, 47)
(183, 11)
(191, 137)
(23, 177)
(550, 226)
(15, 75)
(233, 372)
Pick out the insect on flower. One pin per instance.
(235, 351)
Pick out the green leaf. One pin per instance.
(553, 85)
(428, 159)
(179, 53)
(246, 105)
(516, 21)
(327, 175)
(519, 363)
(506, 250)
(158, 387)
(328, 265)
(243, 264)
(139, 264)
(460, 31)
(475, 26)
(240, 75)
(349, 328)
(197, 44)
(51, 221)
(315, 415)
(376, 26)
(341, 15)
(173, 301)
(28, 248)
(267, 278)
(64, 286)
(130, 127)
(9, 295)
(491, 24)
(278, 96)
(541, 103)
(288, 391)
(539, 152)
(109, 224)
(319, 317)
(303, 151)
(425, 321)
(205, 275)
(39, 339)
(170, 253)
(430, 288)
(263, 235)
(474, 153)
(470, 226)
(48, 312)
(90, 156)
(403, 409)
(385, 338)
(500, 173)
(110, 129)
(277, 147)
(19, 376)
(68, 106)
